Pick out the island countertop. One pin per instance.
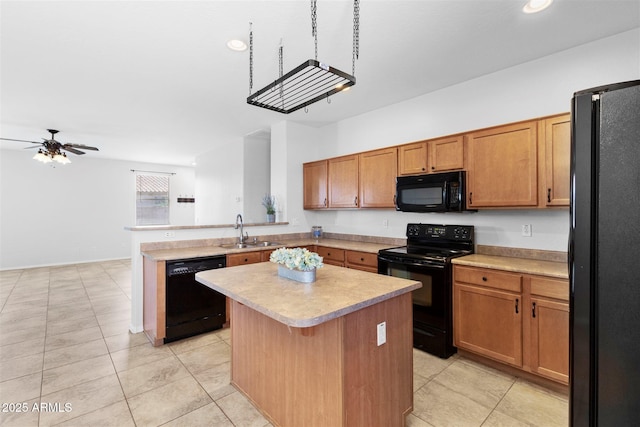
(336, 292)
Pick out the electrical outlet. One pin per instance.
(385, 223)
(382, 333)
(526, 230)
(169, 234)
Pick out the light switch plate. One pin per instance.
(382, 333)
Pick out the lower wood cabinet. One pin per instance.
(517, 319)
(365, 261)
(331, 256)
(244, 258)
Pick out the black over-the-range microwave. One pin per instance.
(436, 192)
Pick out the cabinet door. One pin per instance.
(557, 146)
(446, 154)
(331, 256)
(488, 322)
(502, 168)
(315, 185)
(343, 182)
(549, 348)
(378, 171)
(364, 261)
(412, 158)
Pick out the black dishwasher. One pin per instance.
(191, 307)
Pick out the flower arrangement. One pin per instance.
(296, 258)
(269, 202)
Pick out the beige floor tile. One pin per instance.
(125, 340)
(14, 368)
(21, 349)
(21, 389)
(115, 328)
(115, 415)
(12, 336)
(413, 421)
(217, 380)
(207, 416)
(12, 306)
(152, 375)
(131, 357)
(116, 316)
(74, 353)
(206, 357)
(482, 386)
(241, 412)
(168, 402)
(25, 416)
(80, 336)
(83, 399)
(192, 343)
(498, 419)
(74, 325)
(76, 373)
(442, 407)
(535, 405)
(69, 312)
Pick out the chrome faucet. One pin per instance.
(243, 236)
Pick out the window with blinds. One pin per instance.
(152, 200)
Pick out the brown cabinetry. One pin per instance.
(435, 155)
(244, 258)
(364, 261)
(377, 176)
(518, 319)
(343, 182)
(556, 150)
(331, 256)
(314, 177)
(502, 169)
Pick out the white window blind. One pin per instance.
(152, 199)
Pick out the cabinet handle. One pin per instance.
(548, 195)
(394, 201)
(325, 202)
(517, 302)
(423, 169)
(471, 198)
(484, 279)
(433, 168)
(533, 310)
(362, 259)
(355, 201)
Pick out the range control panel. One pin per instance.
(462, 233)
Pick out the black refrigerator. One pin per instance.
(604, 257)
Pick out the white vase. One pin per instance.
(271, 217)
(297, 275)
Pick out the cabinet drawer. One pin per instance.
(331, 253)
(550, 288)
(489, 278)
(244, 258)
(362, 258)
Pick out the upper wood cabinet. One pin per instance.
(556, 150)
(377, 177)
(435, 155)
(315, 185)
(502, 166)
(343, 182)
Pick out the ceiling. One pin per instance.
(153, 81)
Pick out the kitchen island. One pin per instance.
(308, 354)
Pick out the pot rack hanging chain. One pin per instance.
(314, 25)
(356, 36)
(250, 57)
(281, 70)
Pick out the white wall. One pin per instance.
(257, 176)
(538, 88)
(74, 213)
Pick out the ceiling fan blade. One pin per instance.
(71, 149)
(29, 148)
(21, 140)
(84, 147)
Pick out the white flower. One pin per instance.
(296, 258)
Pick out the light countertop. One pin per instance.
(336, 292)
(206, 251)
(519, 265)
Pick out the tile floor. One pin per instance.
(67, 358)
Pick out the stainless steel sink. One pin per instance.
(236, 245)
(265, 244)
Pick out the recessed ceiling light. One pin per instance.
(534, 6)
(237, 45)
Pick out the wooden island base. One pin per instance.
(332, 374)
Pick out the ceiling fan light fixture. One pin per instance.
(61, 158)
(42, 157)
(535, 6)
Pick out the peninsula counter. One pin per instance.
(308, 354)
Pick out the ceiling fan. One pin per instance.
(51, 149)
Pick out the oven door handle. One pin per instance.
(413, 264)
